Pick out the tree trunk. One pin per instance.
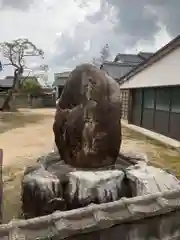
(6, 105)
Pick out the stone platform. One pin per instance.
(86, 187)
(52, 185)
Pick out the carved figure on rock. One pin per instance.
(87, 124)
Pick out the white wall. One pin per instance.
(162, 73)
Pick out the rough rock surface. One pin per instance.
(115, 220)
(87, 124)
(52, 185)
(86, 187)
(41, 192)
(147, 179)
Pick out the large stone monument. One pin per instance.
(87, 124)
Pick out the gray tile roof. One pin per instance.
(123, 63)
(145, 55)
(132, 58)
(8, 81)
(127, 58)
(115, 70)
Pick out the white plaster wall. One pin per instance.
(162, 73)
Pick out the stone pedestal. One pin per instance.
(52, 185)
(60, 187)
(41, 192)
(147, 179)
(86, 187)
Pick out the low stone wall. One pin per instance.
(151, 216)
(23, 101)
(17, 100)
(144, 217)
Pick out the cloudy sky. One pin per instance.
(74, 31)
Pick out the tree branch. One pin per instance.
(20, 56)
(25, 78)
(11, 58)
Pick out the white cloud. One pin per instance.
(161, 39)
(74, 31)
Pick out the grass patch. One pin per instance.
(11, 120)
(170, 162)
(159, 154)
(128, 133)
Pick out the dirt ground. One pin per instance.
(27, 134)
(24, 136)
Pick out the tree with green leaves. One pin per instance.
(31, 87)
(16, 52)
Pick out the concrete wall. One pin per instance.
(22, 101)
(17, 100)
(162, 73)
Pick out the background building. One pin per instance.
(122, 64)
(154, 86)
(59, 82)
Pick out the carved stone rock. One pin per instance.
(87, 124)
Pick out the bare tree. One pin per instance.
(44, 67)
(16, 52)
(96, 61)
(104, 54)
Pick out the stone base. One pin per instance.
(41, 192)
(147, 179)
(52, 185)
(86, 187)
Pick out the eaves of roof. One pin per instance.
(172, 45)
